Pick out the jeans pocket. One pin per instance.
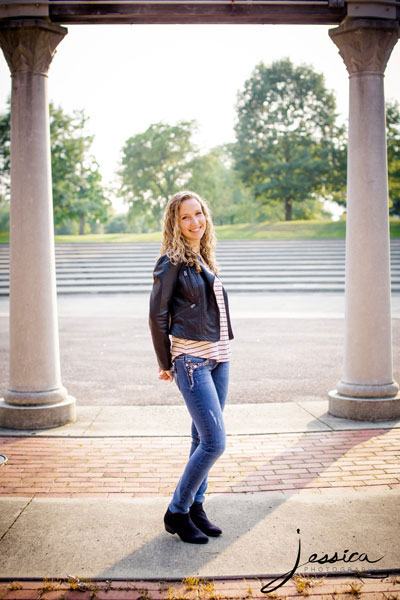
(174, 372)
(196, 360)
(191, 364)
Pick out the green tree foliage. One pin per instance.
(78, 194)
(287, 146)
(393, 153)
(5, 127)
(77, 190)
(393, 158)
(214, 179)
(155, 164)
(118, 224)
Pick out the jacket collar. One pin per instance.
(209, 275)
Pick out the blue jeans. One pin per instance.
(203, 383)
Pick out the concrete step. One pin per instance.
(248, 287)
(255, 266)
(227, 280)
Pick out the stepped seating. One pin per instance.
(245, 266)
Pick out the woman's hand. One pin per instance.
(166, 375)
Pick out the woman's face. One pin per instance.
(192, 221)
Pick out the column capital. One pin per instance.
(365, 45)
(30, 44)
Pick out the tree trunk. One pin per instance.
(288, 210)
(81, 224)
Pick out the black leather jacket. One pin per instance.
(183, 303)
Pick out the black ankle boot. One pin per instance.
(182, 524)
(199, 518)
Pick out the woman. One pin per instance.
(189, 302)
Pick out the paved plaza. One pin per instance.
(287, 347)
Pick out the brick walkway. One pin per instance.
(143, 466)
(312, 588)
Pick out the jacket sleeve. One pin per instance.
(165, 276)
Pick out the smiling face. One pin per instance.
(192, 222)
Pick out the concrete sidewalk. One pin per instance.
(166, 421)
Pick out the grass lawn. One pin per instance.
(284, 230)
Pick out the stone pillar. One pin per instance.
(35, 397)
(367, 390)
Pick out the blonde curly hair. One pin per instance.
(175, 245)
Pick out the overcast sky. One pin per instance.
(129, 76)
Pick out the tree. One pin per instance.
(287, 146)
(78, 194)
(118, 224)
(5, 127)
(155, 164)
(393, 154)
(393, 159)
(214, 179)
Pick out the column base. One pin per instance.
(37, 417)
(354, 390)
(35, 398)
(364, 409)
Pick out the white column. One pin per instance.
(367, 390)
(35, 397)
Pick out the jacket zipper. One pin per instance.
(188, 282)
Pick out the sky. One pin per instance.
(126, 77)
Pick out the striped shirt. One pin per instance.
(219, 350)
